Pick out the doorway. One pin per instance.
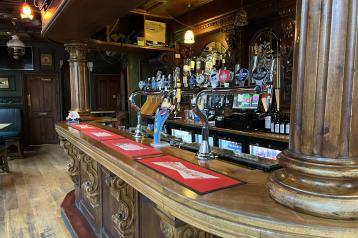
(41, 109)
(110, 92)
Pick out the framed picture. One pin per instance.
(7, 83)
(4, 83)
(46, 61)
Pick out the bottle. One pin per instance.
(283, 125)
(273, 120)
(277, 123)
(268, 117)
(287, 126)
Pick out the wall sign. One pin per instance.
(7, 83)
(4, 83)
(46, 61)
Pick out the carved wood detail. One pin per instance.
(172, 227)
(73, 154)
(126, 196)
(91, 186)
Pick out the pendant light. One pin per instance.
(26, 12)
(189, 34)
(189, 37)
(241, 16)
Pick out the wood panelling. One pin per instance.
(41, 108)
(108, 92)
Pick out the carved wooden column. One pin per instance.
(78, 77)
(320, 174)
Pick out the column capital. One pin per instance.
(77, 51)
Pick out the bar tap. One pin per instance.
(204, 152)
(138, 133)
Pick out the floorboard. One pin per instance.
(31, 195)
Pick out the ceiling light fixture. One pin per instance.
(241, 16)
(26, 12)
(189, 34)
(189, 37)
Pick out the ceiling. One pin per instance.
(10, 20)
(170, 8)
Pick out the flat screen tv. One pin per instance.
(7, 62)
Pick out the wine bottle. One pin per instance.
(283, 125)
(287, 126)
(277, 123)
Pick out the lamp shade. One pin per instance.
(189, 37)
(26, 12)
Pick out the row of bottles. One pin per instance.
(276, 121)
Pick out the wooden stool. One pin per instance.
(14, 142)
(3, 160)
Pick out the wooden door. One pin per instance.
(42, 109)
(108, 92)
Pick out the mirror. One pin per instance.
(211, 55)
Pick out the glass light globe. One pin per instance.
(189, 37)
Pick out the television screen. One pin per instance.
(246, 101)
(7, 62)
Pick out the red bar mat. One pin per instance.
(83, 127)
(101, 135)
(191, 176)
(131, 148)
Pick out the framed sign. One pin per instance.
(7, 83)
(4, 83)
(46, 61)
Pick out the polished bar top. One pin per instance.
(243, 211)
(256, 134)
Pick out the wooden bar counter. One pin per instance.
(120, 197)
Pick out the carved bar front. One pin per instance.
(320, 174)
(113, 208)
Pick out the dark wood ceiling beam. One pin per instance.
(78, 20)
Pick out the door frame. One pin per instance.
(26, 116)
(93, 91)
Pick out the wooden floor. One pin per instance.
(30, 196)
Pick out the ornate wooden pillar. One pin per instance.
(78, 77)
(320, 174)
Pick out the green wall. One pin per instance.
(13, 97)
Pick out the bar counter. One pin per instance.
(241, 211)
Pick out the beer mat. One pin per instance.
(83, 127)
(101, 134)
(192, 176)
(131, 148)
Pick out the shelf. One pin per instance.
(255, 134)
(114, 46)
